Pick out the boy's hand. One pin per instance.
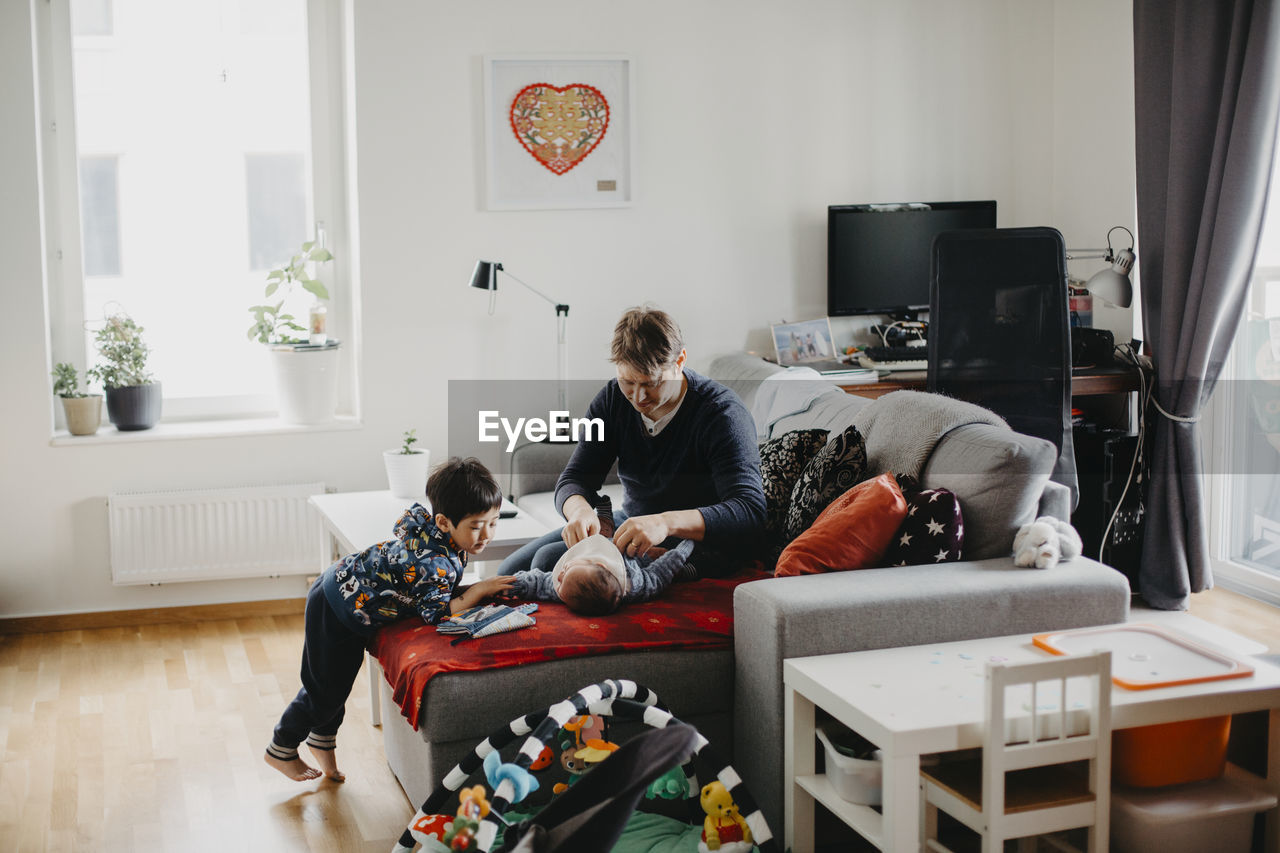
(479, 591)
(490, 587)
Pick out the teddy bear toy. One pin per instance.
(1044, 542)
(724, 830)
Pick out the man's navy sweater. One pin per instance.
(706, 459)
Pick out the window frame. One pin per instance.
(328, 49)
(1218, 440)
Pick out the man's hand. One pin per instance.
(639, 534)
(580, 522)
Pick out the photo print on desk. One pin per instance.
(800, 343)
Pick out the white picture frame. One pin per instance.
(803, 342)
(522, 176)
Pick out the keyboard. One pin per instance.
(895, 358)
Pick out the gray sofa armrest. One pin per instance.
(780, 618)
(536, 466)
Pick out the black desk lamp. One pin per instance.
(485, 277)
(1112, 284)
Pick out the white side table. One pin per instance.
(356, 520)
(918, 700)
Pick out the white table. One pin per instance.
(925, 699)
(356, 520)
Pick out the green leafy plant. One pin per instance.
(271, 324)
(409, 439)
(65, 381)
(123, 352)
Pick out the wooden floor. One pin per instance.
(151, 739)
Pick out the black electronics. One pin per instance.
(1092, 346)
(878, 255)
(903, 333)
(1104, 459)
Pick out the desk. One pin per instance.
(1085, 382)
(356, 520)
(894, 697)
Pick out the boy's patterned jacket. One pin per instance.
(417, 572)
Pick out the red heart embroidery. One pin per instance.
(559, 125)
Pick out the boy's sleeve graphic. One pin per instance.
(435, 588)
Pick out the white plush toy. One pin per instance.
(1044, 542)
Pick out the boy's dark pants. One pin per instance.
(331, 658)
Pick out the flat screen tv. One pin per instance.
(878, 254)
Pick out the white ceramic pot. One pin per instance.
(407, 473)
(84, 414)
(306, 383)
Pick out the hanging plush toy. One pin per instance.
(723, 830)
(472, 808)
(1044, 542)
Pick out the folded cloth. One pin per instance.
(789, 392)
(901, 428)
(485, 620)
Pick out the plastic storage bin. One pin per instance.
(1212, 815)
(857, 780)
(1170, 753)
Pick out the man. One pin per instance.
(686, 453)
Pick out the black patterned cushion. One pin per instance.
(932, 532)
(836, 468)
(782, 459)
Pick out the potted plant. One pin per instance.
(83, 410)
(305, 367)
(133, 397)
(407, 468)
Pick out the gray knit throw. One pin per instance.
(901, 428)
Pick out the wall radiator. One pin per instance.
(250, 532)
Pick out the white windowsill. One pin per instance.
(165, 431)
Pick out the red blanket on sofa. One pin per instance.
(696, 615)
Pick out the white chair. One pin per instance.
(1046, 759)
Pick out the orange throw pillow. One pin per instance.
(852, 533)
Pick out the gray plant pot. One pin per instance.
(134, 407)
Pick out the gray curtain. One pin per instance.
(1207, 92)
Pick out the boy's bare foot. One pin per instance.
(296, 769)
(328, 761)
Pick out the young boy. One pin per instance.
(418, 572)
(593, 577)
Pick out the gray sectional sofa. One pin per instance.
(735, 697)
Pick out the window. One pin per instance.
(1242, 439)
(196, 148)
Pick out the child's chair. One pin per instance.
(1037, 775)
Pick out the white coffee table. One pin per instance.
(356, 520)
(926, 699)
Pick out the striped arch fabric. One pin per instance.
(612, 698)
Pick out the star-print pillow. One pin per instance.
(932, 532)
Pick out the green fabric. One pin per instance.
(645, 833)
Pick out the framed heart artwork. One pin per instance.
(558, 131)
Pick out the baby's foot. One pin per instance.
(324, 749)
(295, 768)
(604, 512)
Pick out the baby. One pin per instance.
(593, 577)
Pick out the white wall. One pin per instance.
(752, 116)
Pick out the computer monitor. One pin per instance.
(878, 254)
